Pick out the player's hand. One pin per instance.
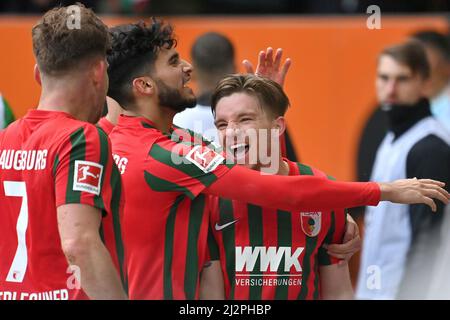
(268, 66)
(411, 191)
(350, 244)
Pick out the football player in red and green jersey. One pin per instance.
(57, 176)
(165, 169)
(267, 253)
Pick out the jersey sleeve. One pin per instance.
(84, 170)
(335, 234)
(183, 166)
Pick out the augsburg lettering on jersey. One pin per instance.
(23, 159)
(61, 294)
(121, 163)
(270, 259)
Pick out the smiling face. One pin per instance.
(171, 75)
(244, 128)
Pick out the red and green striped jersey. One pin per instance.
(166, 220)
(271, 254)
(48, 159)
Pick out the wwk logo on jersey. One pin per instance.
(87, 176)
(311, 223)
(204, 158)
(269, 258)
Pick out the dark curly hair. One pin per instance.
(135, 48)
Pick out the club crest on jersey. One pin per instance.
(311, 223)
(204, 158)
(87, 176)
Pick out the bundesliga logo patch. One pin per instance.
(87, 176)
(204, 158)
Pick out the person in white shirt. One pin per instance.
(402, 244)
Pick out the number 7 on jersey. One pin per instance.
(19, 265)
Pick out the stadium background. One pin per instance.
(330, 83)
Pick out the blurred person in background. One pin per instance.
(6, 114)
(401, 242)
(437, 47)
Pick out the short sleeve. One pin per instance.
(179, 165)
(83, 170)
(335, 234)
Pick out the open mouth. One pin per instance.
(239, 150)
(186, 81)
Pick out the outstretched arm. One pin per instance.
(309, 193)
(414, 191)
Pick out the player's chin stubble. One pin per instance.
(173, 98)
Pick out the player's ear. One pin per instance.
(144, 86)
(99, 71)
(37, 75)
(280, 124)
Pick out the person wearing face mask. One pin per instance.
(402, 242)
